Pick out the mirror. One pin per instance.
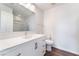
(14, 17)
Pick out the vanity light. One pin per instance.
(29, 6)
(18, 18)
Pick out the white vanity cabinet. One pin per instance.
(34, 47)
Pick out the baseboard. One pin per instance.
(72, 52)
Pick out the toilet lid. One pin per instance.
(49, 41)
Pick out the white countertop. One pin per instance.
(7, 43)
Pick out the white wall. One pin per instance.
(62, 22)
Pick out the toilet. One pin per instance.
(49, 44)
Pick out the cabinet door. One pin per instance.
(27, 49)
(13, 51)
(41, 47)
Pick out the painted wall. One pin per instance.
(62, 23)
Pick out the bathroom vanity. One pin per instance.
(14, 41)
(30, 45)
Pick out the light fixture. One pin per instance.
(29, 6)
(18, 18)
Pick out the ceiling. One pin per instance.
(45, 6)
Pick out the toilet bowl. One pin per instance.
(49, 44)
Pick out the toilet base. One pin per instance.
(49, 48)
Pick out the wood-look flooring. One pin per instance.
(58, 52)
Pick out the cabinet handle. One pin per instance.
(18, 54)
(36, 45)
(43, 45)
